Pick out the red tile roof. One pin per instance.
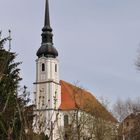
(73, 97)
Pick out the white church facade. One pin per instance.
(56, 99)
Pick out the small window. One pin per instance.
(55, 67)
(127, 124)
(43, 67)
(66, 120)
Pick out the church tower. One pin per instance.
(47, 86)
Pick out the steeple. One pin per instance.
(47, 16)
(47, 35)
(47, 48)
(47, 84)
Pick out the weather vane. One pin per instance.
(0, 34)
(2, 41)
(9, 39)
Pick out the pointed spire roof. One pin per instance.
(47, 16)
(47, 48)
(47, 26)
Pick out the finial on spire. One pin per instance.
(2, 41)
(9, 38)
(0, 34)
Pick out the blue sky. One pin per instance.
(97, 41)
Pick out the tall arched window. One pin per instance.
(43, 67)
(55, 67)
(66, 120)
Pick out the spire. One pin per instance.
(47, 36)
(47, 48)
(47, 16)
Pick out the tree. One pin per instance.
(9, 81)
(128, 113)
(13, 121)
(4, 57)
(123, 108)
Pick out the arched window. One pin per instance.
(55, 67)
(66, 120)
(43, 67)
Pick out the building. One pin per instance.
(59, 103)
(130, 127)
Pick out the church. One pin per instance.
(61, 108)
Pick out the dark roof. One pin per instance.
(47, 50)
(132, 116)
